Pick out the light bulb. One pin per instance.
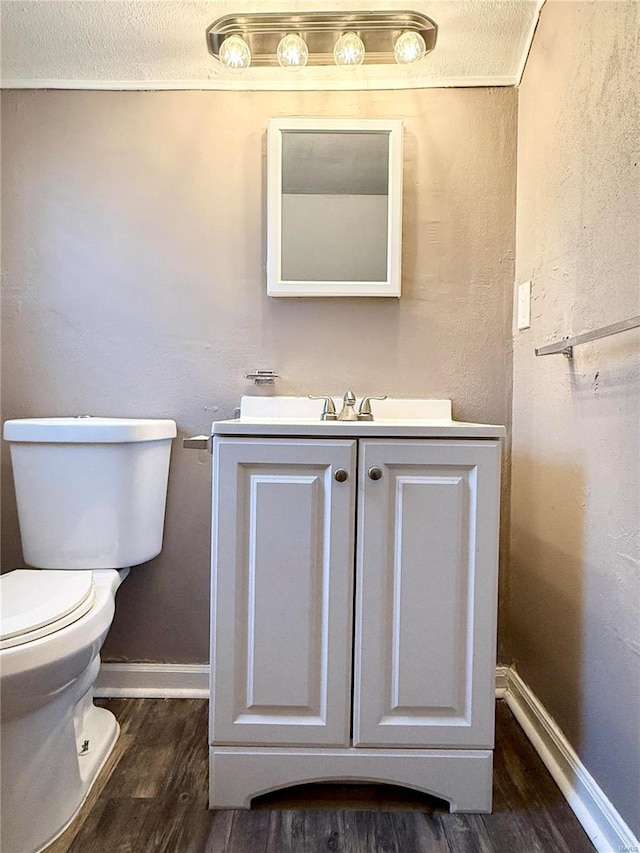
(292, 52)
(349, 50)
(235, 53)
(409, 47)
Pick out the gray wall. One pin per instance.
(575, 605)
(133, 254)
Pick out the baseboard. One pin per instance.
(502, 681)
(152, 681)
(187, 681)
(600, 820)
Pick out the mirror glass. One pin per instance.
(334, 207)
(335, 201)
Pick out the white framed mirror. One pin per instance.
(334, 215)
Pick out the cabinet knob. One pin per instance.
(341, 475)
(375, 473)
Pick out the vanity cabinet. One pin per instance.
(354, 614)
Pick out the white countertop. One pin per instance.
(274, 427)
(259, 417)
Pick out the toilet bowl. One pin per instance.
(90, 492)
(53, 740)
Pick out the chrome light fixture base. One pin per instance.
(321, 30)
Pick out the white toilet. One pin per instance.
(91, 496)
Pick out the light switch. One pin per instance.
(524, 305)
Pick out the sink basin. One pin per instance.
(302, 408)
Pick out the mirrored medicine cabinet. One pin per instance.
(334, 212)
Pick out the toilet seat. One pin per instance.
(36, 603)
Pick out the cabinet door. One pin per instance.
(426, 586)
(282, 582)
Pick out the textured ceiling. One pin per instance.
(109, 44)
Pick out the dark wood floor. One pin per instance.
(152, 796)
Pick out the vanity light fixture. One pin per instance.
(293, 40)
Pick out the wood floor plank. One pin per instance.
(430, 835)
(325, 831)
(142, 771)
(167, 718)
(118, 830)
(523, 788)
(286, 831)
(170, 827)
(508, 827)
(378, 831)
(219, 831)
(506, 834)
(249, 832)
(187, 780)
(536, 785)
(397, 831)
(466, 833)
(130, 713)
(314, 830)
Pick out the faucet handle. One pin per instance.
(364, 412)
(329, 409)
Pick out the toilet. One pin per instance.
(91, 496)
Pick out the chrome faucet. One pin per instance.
(364, 413)
(348, 412)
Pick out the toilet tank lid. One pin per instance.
(88, 430)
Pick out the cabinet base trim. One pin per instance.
(462, 777)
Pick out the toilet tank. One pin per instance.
(91, 492)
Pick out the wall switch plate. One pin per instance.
(524, 305)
